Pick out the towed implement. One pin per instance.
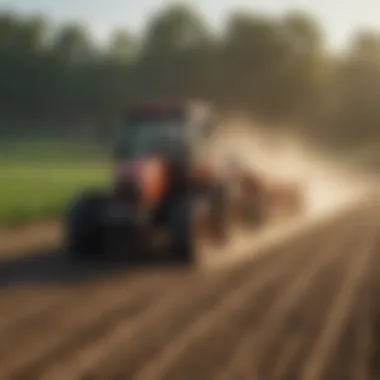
(165, 193)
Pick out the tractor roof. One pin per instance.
(156, 109)
(179, 110)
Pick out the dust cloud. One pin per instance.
(326, 184)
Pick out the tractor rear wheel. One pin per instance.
(180, 225)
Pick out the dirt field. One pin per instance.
(303, 310)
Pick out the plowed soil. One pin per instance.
(307, 309)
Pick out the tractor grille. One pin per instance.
(128, 192)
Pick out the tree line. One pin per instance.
(276, 69)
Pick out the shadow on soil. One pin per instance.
(54, 268)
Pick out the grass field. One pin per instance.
(38, 178)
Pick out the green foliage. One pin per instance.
(270, 68)
(264, 66)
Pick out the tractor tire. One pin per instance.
(181, 227)
(220, 214)
(85, 235)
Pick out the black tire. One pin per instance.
(85, 237)
(220, 214)
(183, 244)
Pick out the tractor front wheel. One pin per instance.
(85, 237)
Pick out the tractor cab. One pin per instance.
(159, 145)
(166, 131)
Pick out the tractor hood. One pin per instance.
(148, 175)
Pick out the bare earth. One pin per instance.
(307, 309)
(15, 241)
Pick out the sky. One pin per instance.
(339, 18)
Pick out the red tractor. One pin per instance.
(165, 190)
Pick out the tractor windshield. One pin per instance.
(152, 137)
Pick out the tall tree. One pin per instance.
(169, 47)
(73, 44)
(122, 46)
